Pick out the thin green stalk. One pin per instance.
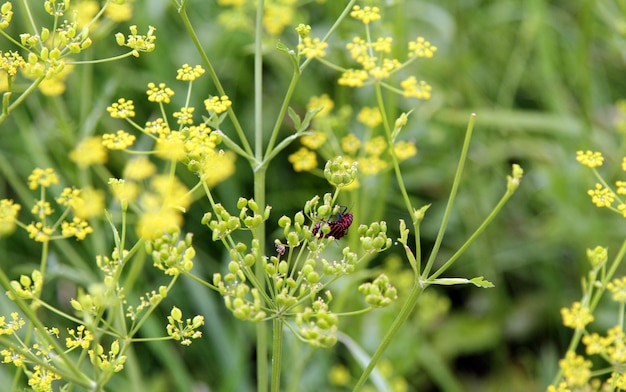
(277, 347)
(473, 237)
(453, 192)
(259, 196)
(218, 85)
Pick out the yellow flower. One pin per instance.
(576, 317)
(366, 14)
(353, 78)
(276, 18)
(43, 177)
(173, 193)
(11, 62)
(576, 369)
(376, 146)
(157, 127)
(589, 158)
(122, 109)
(78, 228)
(6, 15)
(118, 141)
(303, 160)
(39, 232)
(382, 45)
(8, 216)
(217, 104)
(124, 191)
(185, 116)
(618, 288)
(339, 375)
(137, 42)
(314, 140)
(324, 102)
(595, 344)
(89, 204)
(217, 166)
(350, 144)
(139, 168)
(40, 379)
(89, 152)
(171, 146)
(159, 93)
(312, 47)
(421, 48)
(370, 116)
(415, 89)
(371, 165)
(119, 12)
(153, 225)
(41, 209)
(54, 83)
(358, 49)
(405, 150)
(601, 197)
(186, 73)
(621, 187)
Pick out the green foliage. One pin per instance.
(260, 184)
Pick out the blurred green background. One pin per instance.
(543, 78)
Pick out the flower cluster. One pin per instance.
(603, 195)
(194, 145)
(45, 228)
(47, 55)
(371, 153)
(372, 57)
(183, 331)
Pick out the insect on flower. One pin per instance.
(338, 227)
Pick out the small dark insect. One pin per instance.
(338, 227)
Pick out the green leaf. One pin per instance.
(480, 282)
(297, 122)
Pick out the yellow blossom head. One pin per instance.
(303, 160)
(89, 152)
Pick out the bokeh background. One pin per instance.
(545, 79)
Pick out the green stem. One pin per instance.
(277, 347)
(453, 192)
(218, 85)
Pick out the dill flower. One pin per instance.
(39, 232)
(312, 47)
(618, 288)
(314, 140)
(365, 14)
(353, 78)
(89, 152)
(576, 317)
(184, 116)
(376, 146)
(324, 102)
(412, 88)
(11, 61)
(160, 93)
(187, 73)
(303, 160)
(217, 166)
(589, 158)
(601, 196)
(118, 141)
(217, 104)
(405, 150)
(122, 108)
(421, 48)
(371, 165)
(42, 177)
(8, 216)
(576, 369)
(119, 12)
(369, 116)
(350, 144)
(139, 168)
